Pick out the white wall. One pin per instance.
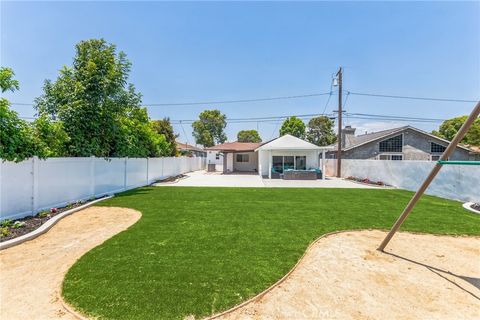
(263, 158)
(34, 185)
(452, 182)
(211, 158)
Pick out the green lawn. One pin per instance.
(202, 250)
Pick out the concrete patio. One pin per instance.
(217, 179)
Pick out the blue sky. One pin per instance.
(184, 52)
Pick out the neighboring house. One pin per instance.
(275, 156)
(404, 143)
(188, 150)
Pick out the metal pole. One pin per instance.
(339, 140)
(451, 147)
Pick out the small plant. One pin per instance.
(4, 231)
(53, 210)
(18, 224)
(44, 213)
(70, 206)
(6, 223)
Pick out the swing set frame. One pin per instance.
(443, 161)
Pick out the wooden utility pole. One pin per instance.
(443, 160)
(339, 138)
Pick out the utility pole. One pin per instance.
(339, 138)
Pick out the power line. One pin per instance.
(408, 97)
(237, 101)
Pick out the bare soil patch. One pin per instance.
(32, 272)
(343, 276)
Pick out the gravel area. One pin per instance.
(343, 276)
(32, 272)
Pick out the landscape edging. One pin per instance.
(468, 206)
(47, 225)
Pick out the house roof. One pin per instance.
(289, 142)
(357, 141)
(235, 146)
(185, 146)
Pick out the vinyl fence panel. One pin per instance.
(34, 185)
(452, 182)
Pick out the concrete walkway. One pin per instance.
(216, 179)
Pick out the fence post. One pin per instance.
(34, 185)
(147, 172)
(125, 175)
(92, 176)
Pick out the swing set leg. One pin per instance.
(448, 151)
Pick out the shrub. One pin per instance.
(43, 214)
(18, 224)
(4, 231)
(6, 223)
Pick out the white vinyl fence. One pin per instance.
(34, 185)
(453, 182)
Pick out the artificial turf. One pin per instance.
(197, 251)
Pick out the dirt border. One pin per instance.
(47, 225)
(309, 248)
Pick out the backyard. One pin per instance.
(199, 251)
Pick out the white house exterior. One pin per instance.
(270, 159)
(289, 152)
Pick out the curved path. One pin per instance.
(342, 276)
(32, 272)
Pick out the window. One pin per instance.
(242, 157)
(301, 162)
(434, 157)
(437, 148)
(277, 164)
(390, 157)
(217, 156)
(393, 144)
(288, 163)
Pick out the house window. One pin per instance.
(301, 162)
(393, 144)
(434, 157)
(242, 157)
(288, 162)
(436, 148)
(390, 157)
(277, 164)
(217, 156)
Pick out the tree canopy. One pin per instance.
(248, 136)
(15, 134)
(320, 131)
(100, 113)
(449, 128)
(209, 129)
(293, 126)
(165, 127)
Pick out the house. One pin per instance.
(270, 159)
(188, 150)
(403, 143)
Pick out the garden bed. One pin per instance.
(11, 229)
(368, 181)
(171, 179)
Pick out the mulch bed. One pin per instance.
(475, 206)
(171, 179)
(32, 223)
(368, 181)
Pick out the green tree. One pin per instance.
(449, 128)
(15, 134)
(320, 131)
(49, 137)
(209, 129)
(93, 100)
(293, 126)
(165, 127)
(248, 136)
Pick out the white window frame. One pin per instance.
(389, 155)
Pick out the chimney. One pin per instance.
(348, 133)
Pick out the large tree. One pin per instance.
(449, 128)
(209, 129)
(96, 105)
(15, 134)
(293, 126)
(320, 131)
(248, 136)
(165, 127)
